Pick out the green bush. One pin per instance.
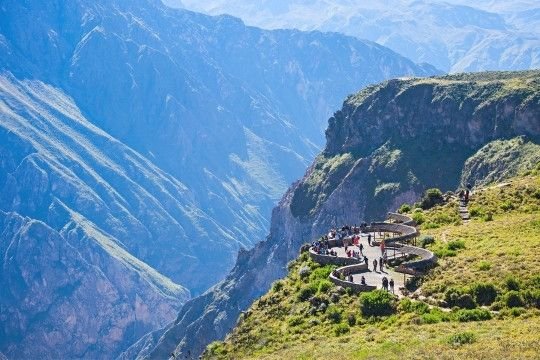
(455, 245)
(306, 292)
(465, 315)
(511, 283)
(484, 293)
(426, 240)
(444, 252)
(484, 265)
(431, 198)
(333, 313)
(341, 329)
(462, 338)
(277, 286)
(321, 273)
(434, 316)
(488, 216)
(532, 298)
(418, 217)
(460, 298)
(404, 209)
(351, 319)
(476, 211)
(377, 303)
(409, 306)
(324, 286)
(513, 299)
(295, 321)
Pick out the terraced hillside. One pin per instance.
(482, 301)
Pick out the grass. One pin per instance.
(482, 302)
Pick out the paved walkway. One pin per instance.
(375, 277)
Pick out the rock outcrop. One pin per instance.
(387, 145)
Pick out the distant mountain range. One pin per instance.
(453, 35)
(141, 148)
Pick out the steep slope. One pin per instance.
(235, 113)
(482, 300)
(75, 293)
(452, 35)
(77, 287)
(387, 145)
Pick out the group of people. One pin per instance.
(354, 249)
(386, 283)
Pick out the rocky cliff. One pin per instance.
(385, 146)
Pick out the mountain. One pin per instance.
(149, 145)
(386, 146)
(452, 35)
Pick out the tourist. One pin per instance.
(392, 285)
(375, 265)
(350, 278)
(385, 283)
(381, 264)
(369, 239)
(361, 248)
(365, 259)
(363, 280)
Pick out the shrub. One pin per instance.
(460, 298)
(426, 240)
(488, 216)
(418, 217)
(277, 286)
(484, 265)
(476, 211)
(534, 282)
(456, 245)
(409, 306)
(462, 338)
(333, 313)
(484, 293)
(295, 321)
(377, 303)
(351, 319)
(431, 198)
(306, 292)
(324, 286)
(341, 329)
(444, 252)
(507, 206)
(532, 298)
(513, 299)
(404, 209)
(465, 315)
(321, 273)
(434, 316)
(511, 283)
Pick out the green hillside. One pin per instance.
(482, 301)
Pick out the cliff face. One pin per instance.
(386, 146)
(72, 294)
(73, 282)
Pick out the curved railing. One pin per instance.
(403, 227)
